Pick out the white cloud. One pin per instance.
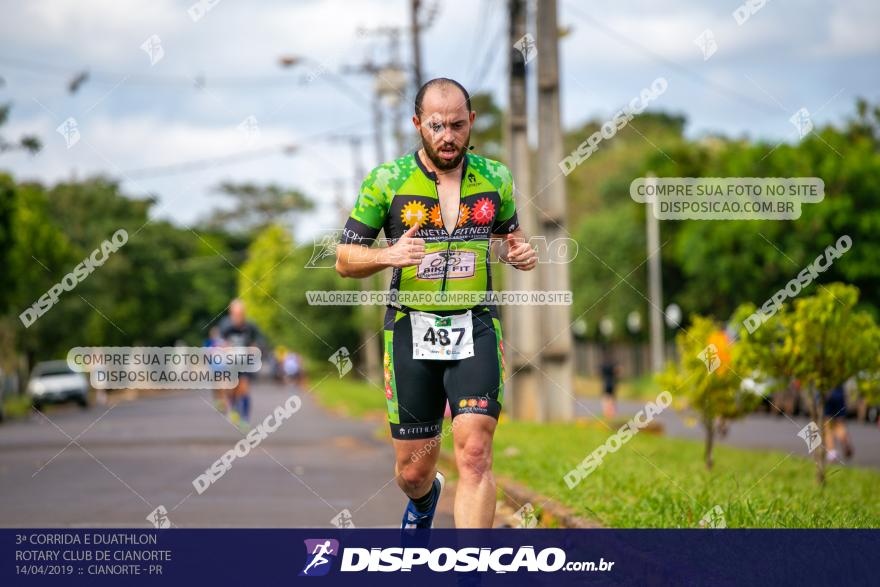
(108, 31)
(852, 30)
(800, 53)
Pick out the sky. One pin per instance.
(210, 92)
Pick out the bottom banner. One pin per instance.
(438, 557)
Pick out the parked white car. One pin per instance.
(55, 382)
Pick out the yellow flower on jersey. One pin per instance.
(414, 213)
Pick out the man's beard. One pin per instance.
(444, 164)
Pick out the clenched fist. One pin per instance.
(520, 254)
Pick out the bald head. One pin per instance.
(236, 312)
(445, 86)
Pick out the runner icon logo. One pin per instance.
(320, 554)
(159, 518)
(343, 519)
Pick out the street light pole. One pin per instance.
(655, 285)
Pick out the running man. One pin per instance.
(835, 414)
(440, 206)
(222, 399)
(319, 552)
(237, 331)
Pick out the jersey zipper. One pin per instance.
(454, 226)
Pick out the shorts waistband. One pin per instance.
(475, 310)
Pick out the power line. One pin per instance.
(78, 77)
(493, 49)
(478, 33)
(489, 48)
(199, 164)
(154, 79)
(232, 158)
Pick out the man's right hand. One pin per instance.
(407, 251)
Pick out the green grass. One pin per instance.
(634, 388)
(659, 482)
(16, 407)
(354, 398)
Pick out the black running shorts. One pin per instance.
(416, 390)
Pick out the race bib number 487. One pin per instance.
(444, 338)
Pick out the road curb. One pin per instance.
(552, 514)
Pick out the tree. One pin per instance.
(273, 285)
(736, 260)
(749, 260)
(29, 143)
(34, 246)
(259, 284)
(486, 135)
(707, 378)
(256, 207)
(599, 290)
(822, 342)
(164, 284)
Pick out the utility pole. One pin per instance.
(556, 356)
(390, 82)
(416, 43)
(357, 160)
(420, 20)
(655, 284)
(378, 129)
(369, 67)
(339, 199)
(521, 324)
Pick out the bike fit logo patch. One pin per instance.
(320, 554)
(454, 264)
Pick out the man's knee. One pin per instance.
(415, 473)
(474, 456)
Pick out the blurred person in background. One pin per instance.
(609, 372)
(237, 331)
(292, 368)
(222, 400)
(278, 362)
(835, 412)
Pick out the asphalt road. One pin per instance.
(111, 467)
(757, 431)
(129, 459)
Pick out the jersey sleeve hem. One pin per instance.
(356, 232)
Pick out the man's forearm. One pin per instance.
(359, 260)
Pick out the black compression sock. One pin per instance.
(426, 502)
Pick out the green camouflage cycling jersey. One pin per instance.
(399, 194)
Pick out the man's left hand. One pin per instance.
(520, 254)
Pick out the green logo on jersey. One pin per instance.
(441, 322)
